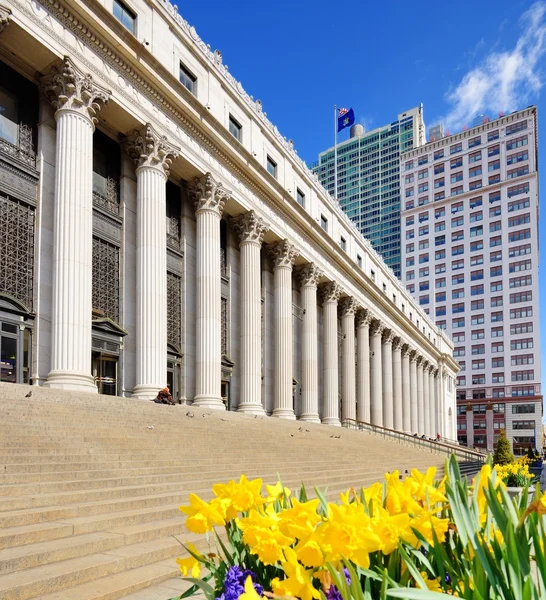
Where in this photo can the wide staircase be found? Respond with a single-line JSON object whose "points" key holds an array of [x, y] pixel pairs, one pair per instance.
{"points": [[90, 486]]}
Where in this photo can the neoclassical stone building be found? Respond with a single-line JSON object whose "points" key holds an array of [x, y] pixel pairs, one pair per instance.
{"points": [[157, 229]]}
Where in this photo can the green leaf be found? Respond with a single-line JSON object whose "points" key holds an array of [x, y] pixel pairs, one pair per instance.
{"points": [[416, 594], [205, 587]]}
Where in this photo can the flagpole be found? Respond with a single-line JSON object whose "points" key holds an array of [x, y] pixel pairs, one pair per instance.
{"points": [[335, 152]]}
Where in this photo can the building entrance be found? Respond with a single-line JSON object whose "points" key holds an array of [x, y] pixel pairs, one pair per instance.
{"points": [[9, 351], [105, 373]]}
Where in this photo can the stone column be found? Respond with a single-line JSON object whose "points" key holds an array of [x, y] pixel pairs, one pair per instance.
{"points": [[397, 399], [376, 381], [433, 412], [348, 403], [309, 276], [406, 389], [330, 293], [420, 396], [414, 422], [250, 229], [152, 155], [283, 255], [363, 320], [386, 361], [209, 198], [426, 399], [469, 426], [77, 100]]}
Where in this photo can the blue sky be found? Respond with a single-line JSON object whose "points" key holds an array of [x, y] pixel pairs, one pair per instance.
{"points": [[381, 58]]}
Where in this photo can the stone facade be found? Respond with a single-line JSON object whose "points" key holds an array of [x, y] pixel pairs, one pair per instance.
{"points": [[232, 287]]}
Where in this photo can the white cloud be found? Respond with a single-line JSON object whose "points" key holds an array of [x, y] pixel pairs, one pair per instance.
{"points": [[504, 81]]}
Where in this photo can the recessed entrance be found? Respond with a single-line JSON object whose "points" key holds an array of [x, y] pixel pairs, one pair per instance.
{"points": [[105, 373], [9, 350]]}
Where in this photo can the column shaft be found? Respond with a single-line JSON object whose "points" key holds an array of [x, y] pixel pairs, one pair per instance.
{"points": [[349, 372], [309, 355], [426, 402], [420, 399], [386, 360], [208, 354], [433, 412], [413, 396], [251, 329], [72, 255], [398, 420], [363, 382], [330, 414], [284, 404], [151, 266], [376, 387], [406, 393]]}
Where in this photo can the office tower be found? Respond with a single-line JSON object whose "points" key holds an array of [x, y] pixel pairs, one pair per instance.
{"points": [[368, 165], [470, 257]]}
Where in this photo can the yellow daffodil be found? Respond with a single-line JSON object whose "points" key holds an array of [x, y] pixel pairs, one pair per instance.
{"points": [[277, 492], [432, 584], [241, 496], [190, 566], [250, 592], [298, 582], [202, 516], [300, 520]]}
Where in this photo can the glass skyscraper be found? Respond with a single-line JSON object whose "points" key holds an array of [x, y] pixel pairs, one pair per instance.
{"points": [[368, 171]]}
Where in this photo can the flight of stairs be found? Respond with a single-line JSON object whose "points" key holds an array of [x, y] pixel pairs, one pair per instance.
{"points": [[90, 485]]}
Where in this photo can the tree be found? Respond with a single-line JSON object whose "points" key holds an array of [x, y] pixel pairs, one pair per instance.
{"points": [[503, 453]]}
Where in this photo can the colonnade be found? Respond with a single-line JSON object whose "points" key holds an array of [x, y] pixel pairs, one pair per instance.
{"points": [[380, 379]]}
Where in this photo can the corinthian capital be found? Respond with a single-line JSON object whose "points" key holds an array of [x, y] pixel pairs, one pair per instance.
{"points": [[5, 15], [309, 275], [250, 228], [330, 292], [208, 194], [149, 149], [397, 344], [377, 328], [388, 336], [363, 318], [282, 254], [348, 307], [406, 351], [69, 88]]}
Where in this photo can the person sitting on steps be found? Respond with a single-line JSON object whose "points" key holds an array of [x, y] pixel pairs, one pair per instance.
{"points": [[164, 397]]}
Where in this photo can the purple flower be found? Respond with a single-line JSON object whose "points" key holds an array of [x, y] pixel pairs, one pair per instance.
{"points": [[447, 578], [234, 583], [333, 593]]}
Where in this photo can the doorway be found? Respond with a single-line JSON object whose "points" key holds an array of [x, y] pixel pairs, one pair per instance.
{"points": [[9, 352], [105, 373]]}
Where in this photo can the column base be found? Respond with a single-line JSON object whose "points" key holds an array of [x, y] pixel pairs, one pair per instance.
{"points": [[212, 402], [310, 418], [284, 413], [251, 409], [145, 392], [68, 380], [334, 421]]}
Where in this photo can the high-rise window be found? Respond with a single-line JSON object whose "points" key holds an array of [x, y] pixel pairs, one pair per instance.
{"points": [[235, 128], [271, 166], [188, 79], [300, 197]]}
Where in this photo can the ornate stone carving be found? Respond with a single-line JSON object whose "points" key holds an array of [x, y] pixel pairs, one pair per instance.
{"points": [[363, 318], [69, 88], [377, 328], [330, 292], [406, 351], [348, 306], [282, 254], [149, 149], [397, 344], [420, 361], [444, 373], [388, 336], [309, 274], [5, 15], [207, 193], [250, 228]]}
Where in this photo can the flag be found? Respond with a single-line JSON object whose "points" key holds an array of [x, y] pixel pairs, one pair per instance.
{"points": [[345, 119]]}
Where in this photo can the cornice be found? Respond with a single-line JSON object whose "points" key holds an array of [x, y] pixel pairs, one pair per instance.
{"points": [[329, 249]]}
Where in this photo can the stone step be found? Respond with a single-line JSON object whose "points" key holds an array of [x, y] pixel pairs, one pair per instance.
{"points": [[67, 573]]}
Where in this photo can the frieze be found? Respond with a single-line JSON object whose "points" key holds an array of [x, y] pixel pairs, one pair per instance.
{"points": [[18, 183], [105, 228]]}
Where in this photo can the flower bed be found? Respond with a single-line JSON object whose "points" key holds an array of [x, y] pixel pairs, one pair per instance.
{"points": [[415, 538]]}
